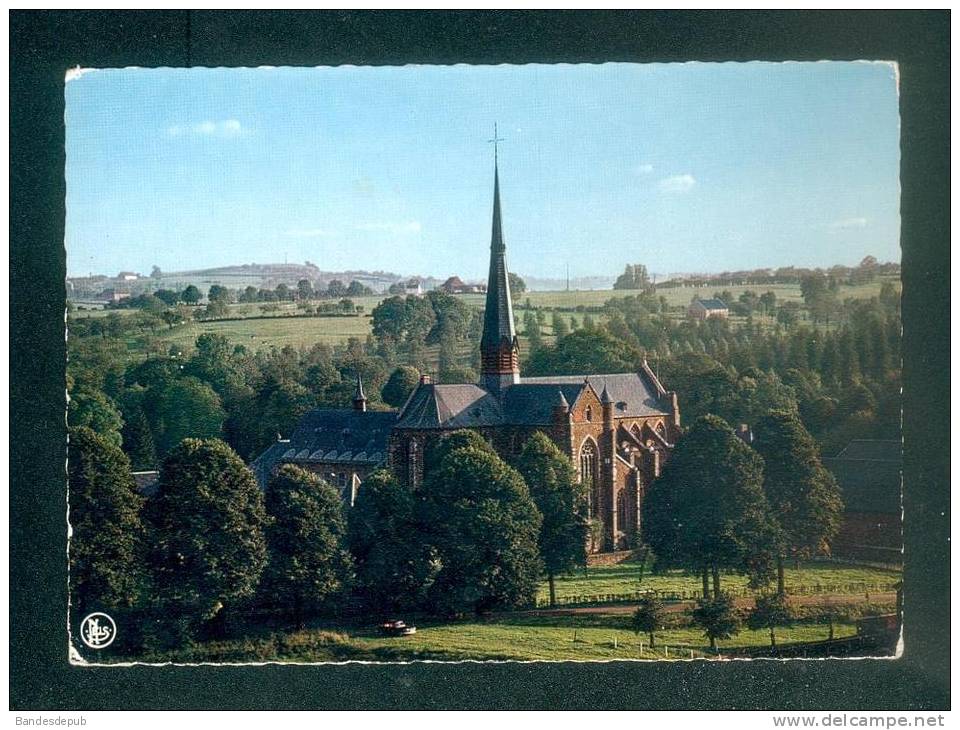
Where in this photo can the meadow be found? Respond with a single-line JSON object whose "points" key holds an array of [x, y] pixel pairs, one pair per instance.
{"points": [[624, 579], [508, 637]]}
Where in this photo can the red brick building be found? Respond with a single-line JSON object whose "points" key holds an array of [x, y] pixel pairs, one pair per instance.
{"points": [[617, 429], [869, 473]]}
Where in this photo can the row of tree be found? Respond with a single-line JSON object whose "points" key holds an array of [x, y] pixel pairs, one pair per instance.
{"points": [[208, 544]]}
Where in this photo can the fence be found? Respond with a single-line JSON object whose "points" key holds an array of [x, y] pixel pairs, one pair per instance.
{"points": [[692, 595]]}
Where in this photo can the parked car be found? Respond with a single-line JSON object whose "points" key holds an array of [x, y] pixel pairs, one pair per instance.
{"points": [[396, 627]]}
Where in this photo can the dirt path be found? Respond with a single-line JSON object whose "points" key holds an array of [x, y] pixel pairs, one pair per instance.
{"points": [[837, 599]]}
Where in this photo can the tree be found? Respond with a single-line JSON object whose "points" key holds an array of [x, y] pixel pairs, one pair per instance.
{"points": [[155, 272], [249, 295], [167, 296], [92, 408], [274, 408], [216, 310], [357, 289], [803, 496], [707, 511], [517, 285], [483, 527], [307, 564], [550, 477], [186, 407], [531, 328], [648, 617], [717, 618], [400, 385], [218, 293], [190, 295], [771, 610], [451, 441], [393, 566], [768, 301], [304, 290], [138, 443], [560, 326], [207, 520], [593, 351], [633, 277], [106, 543]]}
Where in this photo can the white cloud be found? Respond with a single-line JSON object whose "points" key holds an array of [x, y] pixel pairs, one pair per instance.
{"points": [[207, 128], [848, 223], [643, 169], [677, 183], [399, 227], [309, 232]]}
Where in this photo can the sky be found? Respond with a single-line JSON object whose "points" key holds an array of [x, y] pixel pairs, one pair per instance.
{"points": [[688, 167]]}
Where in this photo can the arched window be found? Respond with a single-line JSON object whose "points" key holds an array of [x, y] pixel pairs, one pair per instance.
{"points": [[590, 475], [588, 413], [660, 429], [623, 510]]}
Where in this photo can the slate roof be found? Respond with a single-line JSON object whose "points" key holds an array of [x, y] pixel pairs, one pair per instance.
{"points": [[869, 475], [713, 303], [328, 434], [498, 312], [633, 394], [450, 406], [529, 403]]}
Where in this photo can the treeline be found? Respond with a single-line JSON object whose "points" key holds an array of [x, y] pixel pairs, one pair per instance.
{"points": [[843, 382], [208, 554], [868, 270], [208, 548]]}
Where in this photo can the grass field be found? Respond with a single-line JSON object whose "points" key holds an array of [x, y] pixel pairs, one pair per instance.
{"points": [[520, 637], [560, 638], [622, 578], [275, 331]]}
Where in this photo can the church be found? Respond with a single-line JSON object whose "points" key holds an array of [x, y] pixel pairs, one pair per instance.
{"points": [[618, 430]]}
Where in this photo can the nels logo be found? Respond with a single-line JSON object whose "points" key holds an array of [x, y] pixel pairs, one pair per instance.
{"points": [[98, 631]]}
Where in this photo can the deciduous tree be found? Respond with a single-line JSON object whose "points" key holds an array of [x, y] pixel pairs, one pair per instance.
{"points": [[803, 496], [550, 477], [483, 527], [308, 566], [207, 547], [707, 511]]}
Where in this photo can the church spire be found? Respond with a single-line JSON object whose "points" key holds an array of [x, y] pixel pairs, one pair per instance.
{"points": [[499, 347], [359, 398]]}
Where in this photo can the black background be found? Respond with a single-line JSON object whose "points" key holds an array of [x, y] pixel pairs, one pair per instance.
{"points": [[44, 44]]}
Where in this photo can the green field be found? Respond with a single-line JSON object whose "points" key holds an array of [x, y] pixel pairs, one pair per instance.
{"points": [[274, 331], [518, 637], [557, 638], [623, 579]]}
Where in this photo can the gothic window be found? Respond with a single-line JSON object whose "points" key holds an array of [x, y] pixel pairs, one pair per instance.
{"points": [[622, 510], [588, 413], [590, 475], [660, 429]]}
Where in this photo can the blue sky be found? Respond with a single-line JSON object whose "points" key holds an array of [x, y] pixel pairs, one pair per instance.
{"points": [[682, 167]]}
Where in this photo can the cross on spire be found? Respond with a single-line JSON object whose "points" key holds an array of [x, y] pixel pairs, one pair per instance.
{"points": [[496, 138]]}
